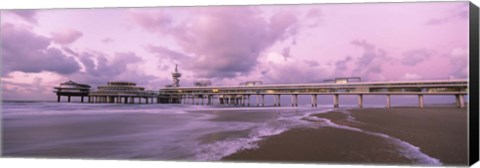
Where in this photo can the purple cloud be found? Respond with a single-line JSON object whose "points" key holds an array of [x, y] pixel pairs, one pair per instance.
{"points": [[341, 65], [107, 40], [164, 52], [18, 91], [459, 63], [26, 51], [371, 61], [283, 74], [99, 69], [97, 65], [414, 57], [315, 15], [311, 63], [27, 15], [66, 36], [153, 21], [224, 41], [460, 12], [286, 53], [69, 51]]}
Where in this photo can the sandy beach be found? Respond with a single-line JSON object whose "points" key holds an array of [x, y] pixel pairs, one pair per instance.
{"points": [[439, 132]]}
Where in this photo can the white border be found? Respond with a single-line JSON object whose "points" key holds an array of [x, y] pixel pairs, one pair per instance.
{"points": [[48, 4], [77, 163]]}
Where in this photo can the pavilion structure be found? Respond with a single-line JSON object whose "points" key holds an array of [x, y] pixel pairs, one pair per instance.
{"points": [[121, 92], [71, 88]]}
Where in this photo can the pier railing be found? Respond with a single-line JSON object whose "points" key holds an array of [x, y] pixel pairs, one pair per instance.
{"points": [[240, 95]]}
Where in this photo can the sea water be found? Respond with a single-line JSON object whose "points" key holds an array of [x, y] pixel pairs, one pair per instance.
{"points": [[155, 131], [140, 131]]}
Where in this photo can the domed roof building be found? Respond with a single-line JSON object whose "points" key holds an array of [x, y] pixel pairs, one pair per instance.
{"points": [[71, 88], [121, 91]]}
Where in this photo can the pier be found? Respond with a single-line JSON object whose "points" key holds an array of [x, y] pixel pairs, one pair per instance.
{"points": [[122, 92], [241, 95], [71, 89], [205, 94]]}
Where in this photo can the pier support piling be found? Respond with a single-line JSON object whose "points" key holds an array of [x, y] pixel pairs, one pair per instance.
{"points": [[263, 100], [293, 101], [420, 101], [388, 101], [274, 100], [258, 100], [278, 100], [314, 100], [243, 100], [360, 101], [335, 101], [460, 101]]}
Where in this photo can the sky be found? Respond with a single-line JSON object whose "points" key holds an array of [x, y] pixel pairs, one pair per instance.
{"points": [[231, 44]]}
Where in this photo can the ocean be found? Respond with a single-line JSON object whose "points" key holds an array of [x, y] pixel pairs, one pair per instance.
{"points": [[157, 131]]}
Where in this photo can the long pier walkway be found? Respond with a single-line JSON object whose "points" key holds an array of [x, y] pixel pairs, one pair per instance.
{"points": [[241, 95]]}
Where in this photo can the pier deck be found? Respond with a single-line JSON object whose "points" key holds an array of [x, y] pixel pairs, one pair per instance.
{"points": [[239, 95]]}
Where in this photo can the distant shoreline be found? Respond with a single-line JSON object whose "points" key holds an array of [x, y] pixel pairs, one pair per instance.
{"points": [[439, 132]]}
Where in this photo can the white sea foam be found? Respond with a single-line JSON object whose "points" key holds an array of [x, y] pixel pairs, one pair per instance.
{"points": [[408, 150], [198, 124], [283, 122], [86, 109], [219, 149]]}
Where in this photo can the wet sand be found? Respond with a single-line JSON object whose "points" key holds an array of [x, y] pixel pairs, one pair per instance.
{"points": [[440, 132]]}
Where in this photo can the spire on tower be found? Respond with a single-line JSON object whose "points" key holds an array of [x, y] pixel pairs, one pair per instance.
{"points": [[176, 77]]}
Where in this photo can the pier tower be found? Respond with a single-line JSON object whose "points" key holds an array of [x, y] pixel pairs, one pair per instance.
{"points": [[176, 77]]}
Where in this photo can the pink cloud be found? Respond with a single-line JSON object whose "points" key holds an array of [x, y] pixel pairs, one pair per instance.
{"points": [[315, 15], [459, 12], [152, 21], [107, 40], [230, 44], [27, 15], [225, 41], [65, 37], [26, 51]]}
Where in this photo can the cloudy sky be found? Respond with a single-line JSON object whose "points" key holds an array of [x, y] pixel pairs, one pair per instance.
{"points": [[231, 44]]}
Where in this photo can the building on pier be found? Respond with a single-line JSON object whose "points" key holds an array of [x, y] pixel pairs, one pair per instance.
{"points": [[202, 83], [251, 83], [167, 97], [343, 80], [176, 77], [121, 92], [71, 88], [242, 95]]}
